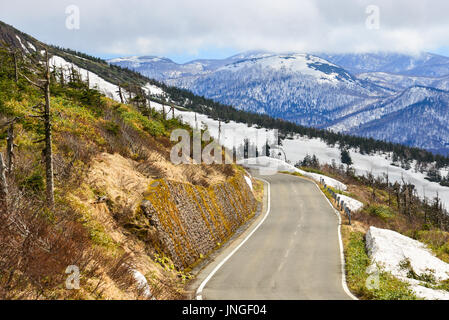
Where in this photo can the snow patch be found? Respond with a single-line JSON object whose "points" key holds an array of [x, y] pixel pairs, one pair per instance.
{"points": [[267, 165], [153, 90], [23, 46], [352, 204], [389, 249], [31, 46], [327, 180], [142, 283], [249, 182], [108, 89]]}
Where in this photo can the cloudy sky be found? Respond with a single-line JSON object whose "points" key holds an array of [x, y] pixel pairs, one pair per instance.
{"points": [[184, 30]]}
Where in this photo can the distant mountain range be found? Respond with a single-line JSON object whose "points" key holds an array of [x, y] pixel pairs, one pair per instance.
{"points": [[390, 96]]}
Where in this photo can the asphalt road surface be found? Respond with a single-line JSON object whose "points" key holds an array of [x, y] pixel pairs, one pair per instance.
{"points": [[293, 255]]}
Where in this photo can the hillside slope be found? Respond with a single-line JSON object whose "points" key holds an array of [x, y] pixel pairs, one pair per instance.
{"points": [[106, 157]]}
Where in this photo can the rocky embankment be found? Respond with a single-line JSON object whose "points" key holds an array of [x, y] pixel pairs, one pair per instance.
{"points": [[191, 221]]}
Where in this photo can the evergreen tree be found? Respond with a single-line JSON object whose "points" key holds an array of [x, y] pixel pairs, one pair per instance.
{"points": [[346, 157]]}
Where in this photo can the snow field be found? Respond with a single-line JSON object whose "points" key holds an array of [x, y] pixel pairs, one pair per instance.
{"points": [[389, 249]]}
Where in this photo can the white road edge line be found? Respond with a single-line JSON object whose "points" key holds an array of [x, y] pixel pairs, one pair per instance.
{"points": [[203, 284], [340, 241]]}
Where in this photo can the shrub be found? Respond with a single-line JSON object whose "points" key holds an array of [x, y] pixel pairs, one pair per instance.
{"points": [[382, 211], [155, 128], [34, 182], [112, 128]]}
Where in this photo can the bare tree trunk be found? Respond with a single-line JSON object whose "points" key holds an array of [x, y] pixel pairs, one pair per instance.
{"points": [[3, 186], [10, 148], [219, 131], [62, 77], [48, 141], [120, 93]]}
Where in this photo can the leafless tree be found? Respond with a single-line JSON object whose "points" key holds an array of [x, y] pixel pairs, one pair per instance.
{"points": [[3, 186], [43, 83]]}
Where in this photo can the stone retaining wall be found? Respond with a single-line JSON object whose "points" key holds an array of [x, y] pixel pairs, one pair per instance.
{"points": [[191, 221]]}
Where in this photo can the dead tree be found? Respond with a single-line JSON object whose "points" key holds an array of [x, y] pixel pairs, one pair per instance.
{"points": [[49, 174], [45, 114], [387, 180], [61, 76], [219, 131], [120, 93], [163, 111], [129, 94], [15, 60], [3, 186], [10, 144], [172, 109], [10, 147], [397, 191], [196, 122]]}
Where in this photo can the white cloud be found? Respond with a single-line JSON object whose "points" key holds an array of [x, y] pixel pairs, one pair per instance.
{"points": [[127, 27]]}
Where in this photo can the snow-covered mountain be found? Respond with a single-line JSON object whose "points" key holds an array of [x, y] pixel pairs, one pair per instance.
{"points": [[401, 82], [392, 104], [341, 92], [161, 69], [297, 87], [423, 124], [422, 64]]}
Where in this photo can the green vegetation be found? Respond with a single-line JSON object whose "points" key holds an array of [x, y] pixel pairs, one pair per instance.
{"points": [[437, 241], [382, 211], [297, 174], [357, 263], [428, 277]]}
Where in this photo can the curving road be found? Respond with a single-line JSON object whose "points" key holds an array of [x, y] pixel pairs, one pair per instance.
{"points": [[294, 254]]}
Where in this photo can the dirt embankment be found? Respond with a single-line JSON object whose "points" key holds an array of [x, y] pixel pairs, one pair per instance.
{"points": [[165, 225]]}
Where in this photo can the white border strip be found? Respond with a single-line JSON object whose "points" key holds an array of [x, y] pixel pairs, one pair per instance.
{"points": [[203, 284], [342, 255]]}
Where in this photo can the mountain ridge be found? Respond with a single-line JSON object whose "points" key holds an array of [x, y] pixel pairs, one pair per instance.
{"points": [[324, 92]]}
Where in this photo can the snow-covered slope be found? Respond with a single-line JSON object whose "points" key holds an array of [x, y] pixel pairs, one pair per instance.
{"points": [[411, 124], [422, 64], [401, 82], [401, 109], [108, 89], [377, 164], [392, 252]]}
